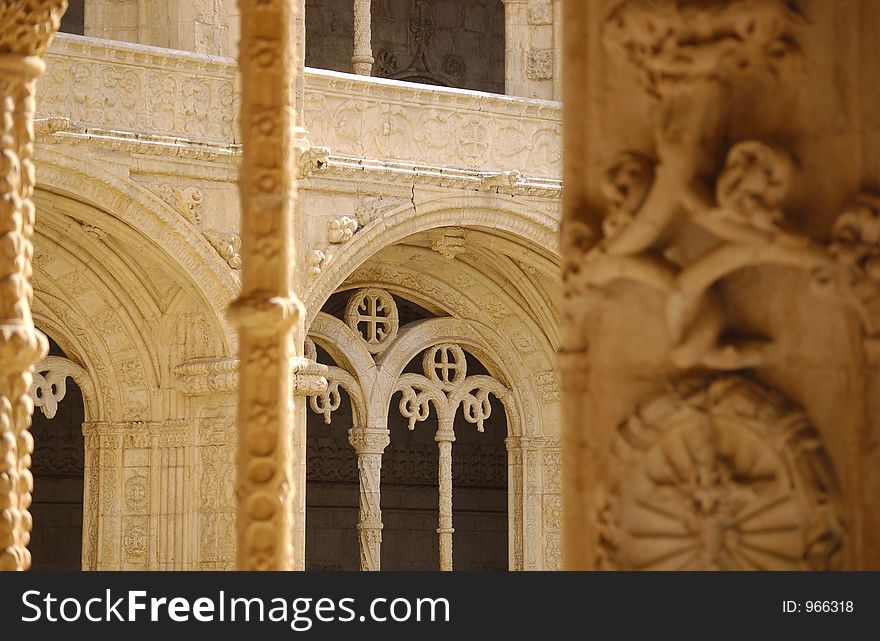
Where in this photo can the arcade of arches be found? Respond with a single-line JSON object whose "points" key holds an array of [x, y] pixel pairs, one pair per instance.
{"points": [[366, 332]]}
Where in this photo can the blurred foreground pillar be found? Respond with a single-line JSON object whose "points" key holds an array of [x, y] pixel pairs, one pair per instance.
{"points": [[25, 32]]}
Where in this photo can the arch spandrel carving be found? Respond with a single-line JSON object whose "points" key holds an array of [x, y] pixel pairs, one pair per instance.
{"points": [[136, 216], [720, 474], [533, 227]]}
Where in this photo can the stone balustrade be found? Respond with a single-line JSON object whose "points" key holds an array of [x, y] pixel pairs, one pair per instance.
{"points": [[105, 87]]}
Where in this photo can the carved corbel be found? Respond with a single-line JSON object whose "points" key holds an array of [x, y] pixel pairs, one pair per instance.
{"points": [[313, 160]]}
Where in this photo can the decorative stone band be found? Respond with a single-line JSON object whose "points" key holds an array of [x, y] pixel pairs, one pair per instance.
{"points": [[204, 376], [192, 98]]}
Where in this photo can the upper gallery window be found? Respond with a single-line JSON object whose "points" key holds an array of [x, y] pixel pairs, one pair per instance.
{"points": [[452, 43]]}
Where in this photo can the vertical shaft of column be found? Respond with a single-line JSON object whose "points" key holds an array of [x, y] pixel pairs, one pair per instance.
{"points": [[266, 310], [370, 444], [362, 58], [445, 437], [25, 32]]}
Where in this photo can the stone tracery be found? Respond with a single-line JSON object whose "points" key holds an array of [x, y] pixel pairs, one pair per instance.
{"points": [[445, 368]]}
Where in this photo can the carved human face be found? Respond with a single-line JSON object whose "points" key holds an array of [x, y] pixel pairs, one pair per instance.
{"points": [[755, 177], [627, 181]]}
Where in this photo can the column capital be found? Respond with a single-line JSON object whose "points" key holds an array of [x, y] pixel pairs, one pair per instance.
{"points": [[445, 436], [367, 440]]}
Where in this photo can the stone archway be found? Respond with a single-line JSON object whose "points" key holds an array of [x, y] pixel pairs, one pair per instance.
{"points": [[127, 313]]}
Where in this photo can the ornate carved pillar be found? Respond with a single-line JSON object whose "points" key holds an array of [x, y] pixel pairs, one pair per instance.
{"points": [[445, 437], [362, 59], [369, 444], [266, 311], [515, 502], [720, 287], [25, 32]]}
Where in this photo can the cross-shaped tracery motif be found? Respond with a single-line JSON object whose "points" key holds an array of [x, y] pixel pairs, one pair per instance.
{"points": [[445, 365], [373, 314]]}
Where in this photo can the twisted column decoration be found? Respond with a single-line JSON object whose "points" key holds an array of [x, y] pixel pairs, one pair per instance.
{"points": [[266, 311], [26, 29], [445, 437], [370, 444], [362, 59]]}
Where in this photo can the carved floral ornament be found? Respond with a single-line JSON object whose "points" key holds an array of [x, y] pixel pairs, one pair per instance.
{"points": [[720, 475], [695, 47], [674, 42], [49, 386], [747, 218]]}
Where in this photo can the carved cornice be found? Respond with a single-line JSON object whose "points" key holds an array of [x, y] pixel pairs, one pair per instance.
{"points": [[309, 377], [201, 377]]}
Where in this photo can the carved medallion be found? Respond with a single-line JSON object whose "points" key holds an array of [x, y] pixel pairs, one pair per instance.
{"points": [[373, 314], [720, 475]]}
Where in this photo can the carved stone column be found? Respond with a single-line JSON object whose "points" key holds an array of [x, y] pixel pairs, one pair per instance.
{"points": [[25, 32], [362, 60], [445, 437], [369, 444], [266, 312], [721, 287]]}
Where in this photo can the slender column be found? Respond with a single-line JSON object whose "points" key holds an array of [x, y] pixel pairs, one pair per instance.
{"points": [[266, 310], [369, 444], [25, 32], [362, 60], [445, 437]]}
